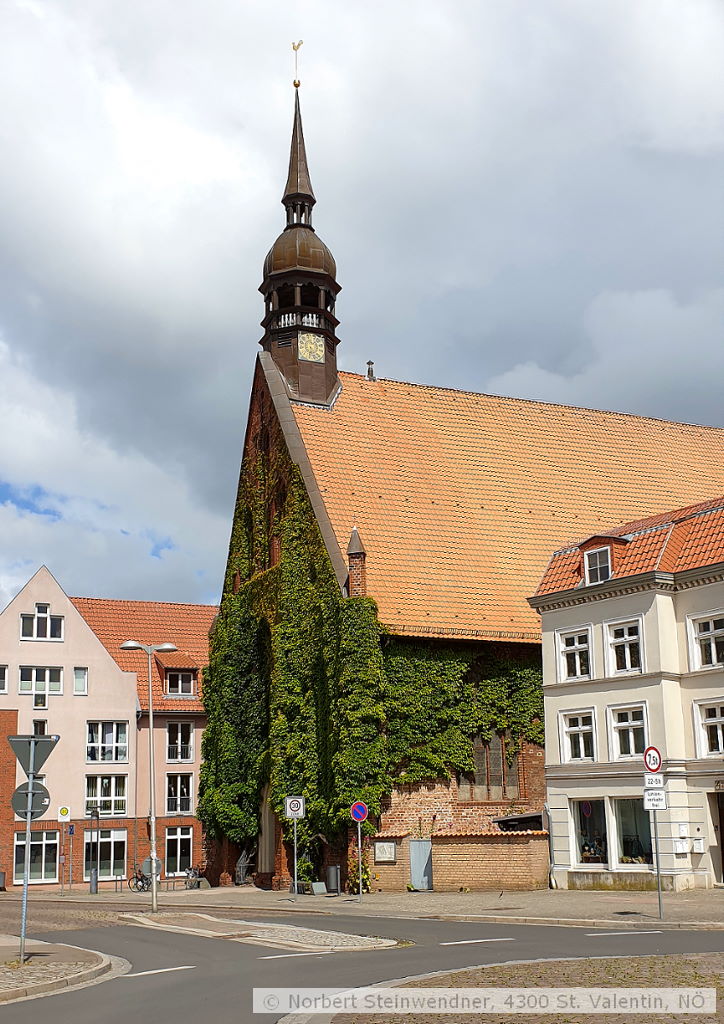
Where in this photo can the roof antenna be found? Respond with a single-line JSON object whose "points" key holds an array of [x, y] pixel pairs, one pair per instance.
{"points": [[370, 370]]}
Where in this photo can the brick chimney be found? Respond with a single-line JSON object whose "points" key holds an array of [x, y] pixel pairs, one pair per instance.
{"points": [[356, 560]]}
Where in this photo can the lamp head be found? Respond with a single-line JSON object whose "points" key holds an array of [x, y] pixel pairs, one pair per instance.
{"points": [[165, 648], [131, 645]]}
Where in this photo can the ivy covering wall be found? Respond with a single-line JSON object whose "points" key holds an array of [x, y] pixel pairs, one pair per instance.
{"points": [[306, 691]]}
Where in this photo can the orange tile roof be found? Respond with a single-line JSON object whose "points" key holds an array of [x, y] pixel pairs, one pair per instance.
{"points": [[671, 542], [460, 497], [153, 622]]}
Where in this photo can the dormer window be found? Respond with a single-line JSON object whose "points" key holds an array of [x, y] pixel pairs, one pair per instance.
{"points": [[41, 625], [598, 565], [180, 684]]}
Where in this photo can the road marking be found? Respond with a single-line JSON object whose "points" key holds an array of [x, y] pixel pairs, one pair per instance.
{"points": [[161, 970], [471, 942], [656, 931], [285, 956]]}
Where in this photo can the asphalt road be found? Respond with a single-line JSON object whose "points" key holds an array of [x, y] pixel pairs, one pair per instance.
{"points": [[221, 974]]}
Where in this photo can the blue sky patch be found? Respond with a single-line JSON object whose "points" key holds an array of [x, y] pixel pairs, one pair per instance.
{"points": [[30, 499]]}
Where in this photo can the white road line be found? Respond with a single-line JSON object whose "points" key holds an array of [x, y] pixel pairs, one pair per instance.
{"points": [[286, 956], [656, 931], [471, 942], [161, 970]]}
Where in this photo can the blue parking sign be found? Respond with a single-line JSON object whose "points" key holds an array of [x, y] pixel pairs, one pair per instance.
{"points": [[71, 830]]}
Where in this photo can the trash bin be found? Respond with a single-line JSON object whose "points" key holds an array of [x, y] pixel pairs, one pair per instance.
{"points": [[2, 881], [94, 881], [333, 874]]}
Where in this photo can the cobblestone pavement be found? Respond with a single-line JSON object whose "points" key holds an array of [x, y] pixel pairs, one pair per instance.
{"points": [[267, 933], [704, 970], [37, 972]]}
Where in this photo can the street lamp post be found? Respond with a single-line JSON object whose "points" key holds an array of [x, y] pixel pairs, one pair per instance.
{"points": [[151, 649]]}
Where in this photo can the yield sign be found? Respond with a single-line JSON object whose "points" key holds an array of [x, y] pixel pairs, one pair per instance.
{"points": [[43, 748]]}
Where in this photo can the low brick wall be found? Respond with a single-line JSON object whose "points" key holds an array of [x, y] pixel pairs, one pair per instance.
{"points": [[391, 876], [502, 861]]}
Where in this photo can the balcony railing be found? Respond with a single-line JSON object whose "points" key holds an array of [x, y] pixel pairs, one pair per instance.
{"points": [[179, 752], [299, 319]]}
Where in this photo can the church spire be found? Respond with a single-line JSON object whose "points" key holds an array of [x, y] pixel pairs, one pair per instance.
{"points": [[298, 196], [300, 289]]}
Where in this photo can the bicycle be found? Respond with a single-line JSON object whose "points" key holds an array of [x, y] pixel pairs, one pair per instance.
{"points": [[193, 879], [138, 882]]}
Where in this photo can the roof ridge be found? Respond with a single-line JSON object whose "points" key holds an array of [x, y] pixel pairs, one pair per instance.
{"points": [[530, 401], [124, 600]]}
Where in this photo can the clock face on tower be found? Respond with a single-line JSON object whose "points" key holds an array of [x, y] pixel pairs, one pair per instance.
{"points": [[311, 347]]}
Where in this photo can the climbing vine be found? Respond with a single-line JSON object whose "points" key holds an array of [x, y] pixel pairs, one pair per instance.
{"points": [[307, 693]]}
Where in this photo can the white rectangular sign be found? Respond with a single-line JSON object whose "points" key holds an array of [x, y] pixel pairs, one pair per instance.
{"points": [[64, 813], [653, 781], [294, 806], [654, 800]]}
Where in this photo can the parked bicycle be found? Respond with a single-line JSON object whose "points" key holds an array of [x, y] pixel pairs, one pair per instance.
{"points": [[193, 878], [138, 882]]}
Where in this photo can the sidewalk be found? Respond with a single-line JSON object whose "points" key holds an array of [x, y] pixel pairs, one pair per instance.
{"points": [[698, 908], [51, 966]]}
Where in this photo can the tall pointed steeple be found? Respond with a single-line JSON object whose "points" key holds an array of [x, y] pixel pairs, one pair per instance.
{"points": [[300, 289], [298, 191]]}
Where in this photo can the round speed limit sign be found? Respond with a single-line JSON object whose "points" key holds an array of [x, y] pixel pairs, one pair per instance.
{"points": [[294, 807], [652, 759]]}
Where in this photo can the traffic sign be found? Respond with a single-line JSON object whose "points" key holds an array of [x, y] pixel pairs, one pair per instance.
{"points": [[359, 811], [71, 830], [39, 801], [653, 781], [655, 800], [64, 813], [652, 759], [294, 807], [43, 748]]}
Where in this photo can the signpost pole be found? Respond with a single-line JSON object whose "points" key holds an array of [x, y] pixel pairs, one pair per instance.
{"points": [[26, 863], [70, 875], [359, 859], [62, 860], [658, 864], [295, 860]]}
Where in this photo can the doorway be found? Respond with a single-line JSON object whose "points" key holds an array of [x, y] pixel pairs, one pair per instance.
{"points": [[421, 864]]}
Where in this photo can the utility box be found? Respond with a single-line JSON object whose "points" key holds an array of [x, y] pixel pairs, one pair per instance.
{"points": [[333, 880]]}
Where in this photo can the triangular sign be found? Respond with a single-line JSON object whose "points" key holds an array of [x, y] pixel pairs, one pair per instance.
{"points": [[43, 747]]}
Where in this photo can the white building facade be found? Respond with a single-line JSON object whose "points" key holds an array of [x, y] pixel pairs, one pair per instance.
{"points": [[633, 656]]}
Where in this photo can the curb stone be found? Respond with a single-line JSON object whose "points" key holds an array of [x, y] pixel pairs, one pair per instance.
{"points": [[59, 984]]}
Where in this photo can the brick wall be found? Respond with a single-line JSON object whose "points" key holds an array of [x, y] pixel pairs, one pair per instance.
{"points": [[8, 761], [428, 807], [490, 862], [391, 877]]}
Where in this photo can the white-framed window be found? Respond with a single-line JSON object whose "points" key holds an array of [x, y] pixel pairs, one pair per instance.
{"points": [[179, 842], [107, 741], [598, 565], [624, 643], [711, 723], [179, 741], [574, 650], [40, 682], [633, 832], [80, 682], [40, 727], [109, 856], [180, 684], [590, 832], [708, 641], [578, 736], [3, 679], [178, 794], [628, 729], [41, 625], [106, 794], [43, 857]]}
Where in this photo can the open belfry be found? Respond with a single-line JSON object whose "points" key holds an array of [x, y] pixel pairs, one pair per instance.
{"points": [[374, 640]]}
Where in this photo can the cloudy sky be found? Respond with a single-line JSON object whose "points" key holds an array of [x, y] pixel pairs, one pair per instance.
{"points": [[523, 197]]}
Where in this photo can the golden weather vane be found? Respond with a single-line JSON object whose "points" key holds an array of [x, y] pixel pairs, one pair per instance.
{"points": [[295, 47]]}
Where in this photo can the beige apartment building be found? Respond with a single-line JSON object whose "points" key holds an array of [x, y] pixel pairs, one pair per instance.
{"points": [[62, 672], [633, 655]]}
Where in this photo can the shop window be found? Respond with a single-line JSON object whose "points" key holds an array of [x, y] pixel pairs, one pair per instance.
{"points": [[634, 832], [43, 857], [589, 819], [109, 856], [178, 849]]}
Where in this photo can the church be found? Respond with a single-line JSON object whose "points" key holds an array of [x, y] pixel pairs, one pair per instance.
{"points": [[374, 640]]}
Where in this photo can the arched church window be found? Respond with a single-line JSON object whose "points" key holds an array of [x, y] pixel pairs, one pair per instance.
{"points": [[495, 773]]}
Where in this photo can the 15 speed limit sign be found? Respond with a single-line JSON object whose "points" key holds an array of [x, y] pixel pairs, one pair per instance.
{"points": [[652, 759]]}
